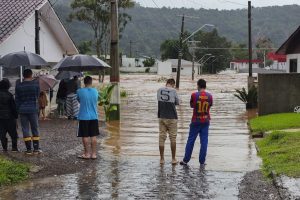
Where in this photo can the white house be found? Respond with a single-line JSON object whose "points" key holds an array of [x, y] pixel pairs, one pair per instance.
{"points": [[291, 48], [186, 67], [241, 65], [34, 26], [135, 65]]}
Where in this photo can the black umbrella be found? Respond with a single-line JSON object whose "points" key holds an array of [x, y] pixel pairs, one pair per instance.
{"points": [[80, 63], [67, 75], [22, 58]]}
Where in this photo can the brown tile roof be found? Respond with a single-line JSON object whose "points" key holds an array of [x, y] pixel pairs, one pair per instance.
{"points": [[13, 13]]}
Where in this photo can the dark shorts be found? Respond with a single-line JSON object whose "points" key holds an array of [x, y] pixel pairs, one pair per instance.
{"points": [[88, 128]]}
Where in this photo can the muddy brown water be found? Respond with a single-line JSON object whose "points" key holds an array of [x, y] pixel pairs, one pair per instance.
{"points": [[128, 165]]}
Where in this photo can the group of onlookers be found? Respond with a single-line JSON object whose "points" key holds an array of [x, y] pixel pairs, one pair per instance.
{"points": [[29, 102]]}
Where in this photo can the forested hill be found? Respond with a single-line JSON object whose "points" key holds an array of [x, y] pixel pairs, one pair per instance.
{"points": [[150, 26]]}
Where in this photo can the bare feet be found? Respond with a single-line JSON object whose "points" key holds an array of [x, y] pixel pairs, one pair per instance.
{"points": [[94, 157], [174, 162], [84, 156], [162, 161]]}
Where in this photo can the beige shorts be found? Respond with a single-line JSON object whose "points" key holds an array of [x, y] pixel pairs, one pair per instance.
{"points": [[167, 126]]}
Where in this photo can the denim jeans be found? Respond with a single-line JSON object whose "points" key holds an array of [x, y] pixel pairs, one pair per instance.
{"points": [[195, 129], [32, 120]]}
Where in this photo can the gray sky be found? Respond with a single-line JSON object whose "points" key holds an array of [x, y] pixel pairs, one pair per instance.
{"points": [[214, 4]]}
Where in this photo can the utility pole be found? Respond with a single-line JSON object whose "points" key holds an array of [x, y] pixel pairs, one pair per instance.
{"points": [[130, 52], [193, 58], [180, 53], [250, 78], [114, 60]]}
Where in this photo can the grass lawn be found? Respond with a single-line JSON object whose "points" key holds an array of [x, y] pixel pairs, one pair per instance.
{"points": [[280, 151], [12, 172], [275, 122]]}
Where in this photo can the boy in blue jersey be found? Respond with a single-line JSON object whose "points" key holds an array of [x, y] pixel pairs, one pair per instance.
{"points": [[88, 118]]}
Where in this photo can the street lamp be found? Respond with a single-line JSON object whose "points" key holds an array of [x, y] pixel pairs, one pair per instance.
{"points": [[210, 25], [204, 63], [200, 60], [180, 48]]}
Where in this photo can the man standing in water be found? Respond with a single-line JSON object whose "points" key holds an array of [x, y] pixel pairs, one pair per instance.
{"points": [[88, 118], [167, 114], [201, 101]]}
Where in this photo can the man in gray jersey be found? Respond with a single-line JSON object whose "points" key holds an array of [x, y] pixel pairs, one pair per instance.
{"points": [[167, 100]]}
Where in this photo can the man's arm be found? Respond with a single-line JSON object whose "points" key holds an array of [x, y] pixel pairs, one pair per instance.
{"points": [[192, 101], [176, 99], [211, 101], [13, 107], [17, 97]]}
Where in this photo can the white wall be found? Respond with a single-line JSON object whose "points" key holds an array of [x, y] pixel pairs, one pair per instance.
{"points": [[186, 70], [164, 68], [292, 56], [279, 66], [24, 36], [130, 62], [237, 65]]}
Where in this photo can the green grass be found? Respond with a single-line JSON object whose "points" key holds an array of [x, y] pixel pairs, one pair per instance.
{"points": [[275, 122], [280, 151], [12, 172]]}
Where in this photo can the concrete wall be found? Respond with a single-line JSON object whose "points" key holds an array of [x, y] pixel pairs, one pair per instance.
{"points": [[278, 93], [186, 70]]}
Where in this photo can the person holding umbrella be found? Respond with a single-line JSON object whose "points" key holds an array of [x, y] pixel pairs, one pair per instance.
{"points": [[27, 95]]}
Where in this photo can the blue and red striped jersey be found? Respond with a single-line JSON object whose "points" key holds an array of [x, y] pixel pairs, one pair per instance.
{"points": [[201, 102]]}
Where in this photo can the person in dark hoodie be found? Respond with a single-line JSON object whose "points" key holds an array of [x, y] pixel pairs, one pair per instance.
{"points": [[8, 116]]}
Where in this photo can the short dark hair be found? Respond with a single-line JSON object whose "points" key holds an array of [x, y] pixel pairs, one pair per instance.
{"points": [[171, 81], [27, 73], [201, 84], [5, 84], [87, 80]]}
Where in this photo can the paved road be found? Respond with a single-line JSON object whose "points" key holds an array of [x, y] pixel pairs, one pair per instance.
{"points": [[128, 166]]}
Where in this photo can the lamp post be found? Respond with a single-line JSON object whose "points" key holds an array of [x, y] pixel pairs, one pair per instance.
{"points": [[200, 60], [204, 63], [180, 54]]}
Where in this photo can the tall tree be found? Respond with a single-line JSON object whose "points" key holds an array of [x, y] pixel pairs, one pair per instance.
{"points": [[96, 13], [217, 46], [239, 51], [264, 45]]}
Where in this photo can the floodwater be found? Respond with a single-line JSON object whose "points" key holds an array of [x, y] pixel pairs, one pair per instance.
{"points": [[128, 165]]}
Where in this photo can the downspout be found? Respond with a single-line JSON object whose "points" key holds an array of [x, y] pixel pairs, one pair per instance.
{"points": [[37, 33]]}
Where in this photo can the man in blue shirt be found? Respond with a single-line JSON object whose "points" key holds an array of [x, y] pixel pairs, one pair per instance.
{"points": [[88, 118]]}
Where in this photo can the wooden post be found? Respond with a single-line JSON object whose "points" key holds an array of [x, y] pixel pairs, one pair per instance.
{"points": [[114, 60], [180, 54]]}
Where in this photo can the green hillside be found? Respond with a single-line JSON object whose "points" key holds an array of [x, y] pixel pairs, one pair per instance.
{"points": [[150, 26]]}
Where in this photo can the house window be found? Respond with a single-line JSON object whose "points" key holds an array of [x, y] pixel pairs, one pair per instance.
{"points": [[293, 65], [174, 70]]}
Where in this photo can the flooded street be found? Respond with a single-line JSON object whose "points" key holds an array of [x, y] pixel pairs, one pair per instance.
{"points": [[128, 164]]}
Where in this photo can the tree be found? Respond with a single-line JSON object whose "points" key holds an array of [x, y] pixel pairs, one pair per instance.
{"points": [[85, 47], [266, 46], [149, 62], [169, 49], [239, 51], [96, 13], [217, 46]]}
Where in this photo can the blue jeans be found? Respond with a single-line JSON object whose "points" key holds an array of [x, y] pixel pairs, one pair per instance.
{"points": [[195, 129], [31, 119]]}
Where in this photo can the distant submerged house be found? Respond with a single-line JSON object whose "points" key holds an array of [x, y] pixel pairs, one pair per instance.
{"points": [[291, 48], [34, 26]]}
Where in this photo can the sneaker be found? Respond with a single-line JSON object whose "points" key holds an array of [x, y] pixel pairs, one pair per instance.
{"points": [[28, 152], [15, 150], [183, 163], [37, 151]]}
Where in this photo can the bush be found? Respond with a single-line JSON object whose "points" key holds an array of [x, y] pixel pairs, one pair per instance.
{"points": [[147, 70], [123, 93], [249, 98], [149, 62]]}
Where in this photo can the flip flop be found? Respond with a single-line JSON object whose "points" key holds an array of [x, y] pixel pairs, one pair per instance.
{"points": [[83, 157]]}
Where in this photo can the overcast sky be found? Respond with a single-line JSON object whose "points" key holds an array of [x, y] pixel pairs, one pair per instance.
{"points": [[214, 4]]}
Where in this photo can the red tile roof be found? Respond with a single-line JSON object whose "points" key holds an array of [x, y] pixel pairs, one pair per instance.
{"points": [[13, 13]]}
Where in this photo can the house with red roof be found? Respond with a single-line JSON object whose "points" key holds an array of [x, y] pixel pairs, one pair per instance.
{"points": [[291, 48], [34, 26]]}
